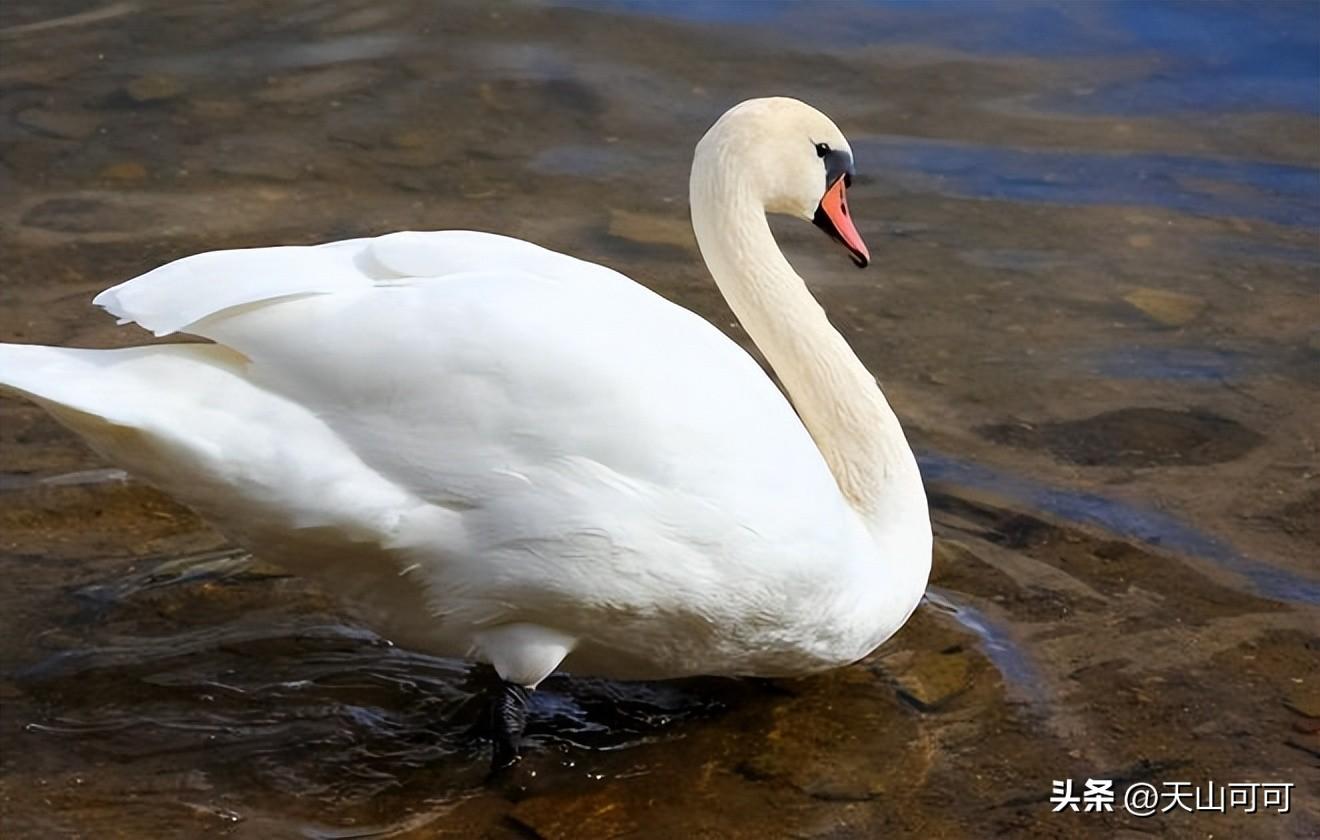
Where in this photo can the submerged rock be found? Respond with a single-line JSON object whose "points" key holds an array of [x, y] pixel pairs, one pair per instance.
{"points": [[840, 740], [154, 88], [651, 229], [1134, 437], [1303, 697], [932, 679], [125, 171], [301, 88], [1171, 309]]}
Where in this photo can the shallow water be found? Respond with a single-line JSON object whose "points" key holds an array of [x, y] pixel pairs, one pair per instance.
{"points": [[1093, 303]]}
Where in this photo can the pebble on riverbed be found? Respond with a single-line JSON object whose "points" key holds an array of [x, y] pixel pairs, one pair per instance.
{"points": [[652, 229], [1304, 698], [126, 171], [1170, 309], [1134, 437], [153, 89], [930, 679]]}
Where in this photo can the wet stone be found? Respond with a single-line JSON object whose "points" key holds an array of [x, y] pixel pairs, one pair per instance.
{"points": [[1301, 517], [332, 81], [1134, 437], [597, 815], [1171, 309], [651, 229], [125, 171], [408, 139], [843, 739], [931, 679], [1304, 698], [218, 109]]}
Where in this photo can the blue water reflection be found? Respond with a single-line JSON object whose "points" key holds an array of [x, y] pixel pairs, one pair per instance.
{"points": [[1274, 192], [1176, 364], [1206, 56], [1123, 519]]}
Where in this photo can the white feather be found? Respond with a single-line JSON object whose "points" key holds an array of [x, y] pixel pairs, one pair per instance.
{"points": [[509, 453]]}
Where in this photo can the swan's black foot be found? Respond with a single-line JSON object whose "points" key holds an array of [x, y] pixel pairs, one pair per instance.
{"points": [[508, 719]]}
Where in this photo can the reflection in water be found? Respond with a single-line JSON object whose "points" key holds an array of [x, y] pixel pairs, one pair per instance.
{"points": [[1124, 519], [314, 706], [585, 161], [1186, 364], [222, 565], [1199, 186], [1008, 656], [1230, 56], [21, 481]]}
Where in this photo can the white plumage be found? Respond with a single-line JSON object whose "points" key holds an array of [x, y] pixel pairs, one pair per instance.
{"points": [[506, 453]]}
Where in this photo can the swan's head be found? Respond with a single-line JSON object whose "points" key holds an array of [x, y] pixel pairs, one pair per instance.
{"points": [[795, 161]]}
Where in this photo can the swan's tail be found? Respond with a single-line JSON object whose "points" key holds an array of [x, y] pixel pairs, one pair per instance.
{"points": [[116, 400], [104, 384], [187, 419]]}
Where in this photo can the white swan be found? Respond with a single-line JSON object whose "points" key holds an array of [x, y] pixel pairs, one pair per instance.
{"points": [[508, 454]]}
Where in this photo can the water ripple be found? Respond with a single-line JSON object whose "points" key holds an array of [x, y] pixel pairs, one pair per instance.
{"points": [[1123, 519]]}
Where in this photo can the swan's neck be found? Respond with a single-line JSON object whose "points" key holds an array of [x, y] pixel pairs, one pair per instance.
{"points": [[837, 398]]}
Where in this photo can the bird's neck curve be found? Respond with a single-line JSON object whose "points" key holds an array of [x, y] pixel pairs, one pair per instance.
{"points": [[839, 402]]}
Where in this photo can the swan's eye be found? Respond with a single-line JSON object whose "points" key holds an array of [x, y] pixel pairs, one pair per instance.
{"points": [[822, 149]]}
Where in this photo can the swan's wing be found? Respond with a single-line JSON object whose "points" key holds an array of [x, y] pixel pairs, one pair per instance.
{"points": [[178, 294], [446, 382], [454, 359], [175, 296], [599, 443], [572, 449]]}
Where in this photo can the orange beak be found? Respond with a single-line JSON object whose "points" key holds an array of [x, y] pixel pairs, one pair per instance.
{"points": [[832, 217]]}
